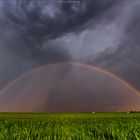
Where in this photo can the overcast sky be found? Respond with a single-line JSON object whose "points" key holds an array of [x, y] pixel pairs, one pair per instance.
{"points": [[101, 32]]}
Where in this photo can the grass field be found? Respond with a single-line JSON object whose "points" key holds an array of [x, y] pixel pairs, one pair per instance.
{"points": [[82, 126]]}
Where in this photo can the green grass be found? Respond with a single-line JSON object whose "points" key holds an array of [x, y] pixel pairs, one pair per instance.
{"points": [[82, 126]]}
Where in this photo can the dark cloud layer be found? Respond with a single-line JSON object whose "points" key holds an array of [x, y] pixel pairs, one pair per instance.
{"points": [[26, 27], [126, 59], [33, 23], [47, 31], [101, 32]]}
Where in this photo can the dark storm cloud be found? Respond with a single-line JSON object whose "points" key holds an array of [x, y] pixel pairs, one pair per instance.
{"points": [[30, 32], [33, 23], [125, 60], [27, 26]]}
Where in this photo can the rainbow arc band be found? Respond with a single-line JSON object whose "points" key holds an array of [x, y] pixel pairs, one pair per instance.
{"points": [[75, 63]]}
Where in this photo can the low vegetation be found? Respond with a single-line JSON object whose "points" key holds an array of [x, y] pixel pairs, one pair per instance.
{"points": [[82, 126]]}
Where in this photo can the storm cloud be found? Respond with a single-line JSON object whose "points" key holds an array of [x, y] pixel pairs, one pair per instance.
{"points": [[32, 23], [101, 32], [125, 60]]}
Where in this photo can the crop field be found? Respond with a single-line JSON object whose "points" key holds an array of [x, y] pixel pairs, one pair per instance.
{"points": [[59, 126]]}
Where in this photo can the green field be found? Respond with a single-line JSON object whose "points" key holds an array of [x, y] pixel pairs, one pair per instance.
{"points": [[59, 126]]}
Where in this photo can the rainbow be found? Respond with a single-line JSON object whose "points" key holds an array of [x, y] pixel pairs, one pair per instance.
{"points": [[75, 63]]}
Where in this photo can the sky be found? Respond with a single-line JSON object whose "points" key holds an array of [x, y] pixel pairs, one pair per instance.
{"points": [[100, 32], [69, 87]]}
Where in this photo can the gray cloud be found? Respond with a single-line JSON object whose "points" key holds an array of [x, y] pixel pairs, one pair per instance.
{"points": [[31, 25], [41, 32], [28, 27], [101, 32], [125, 60]]}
